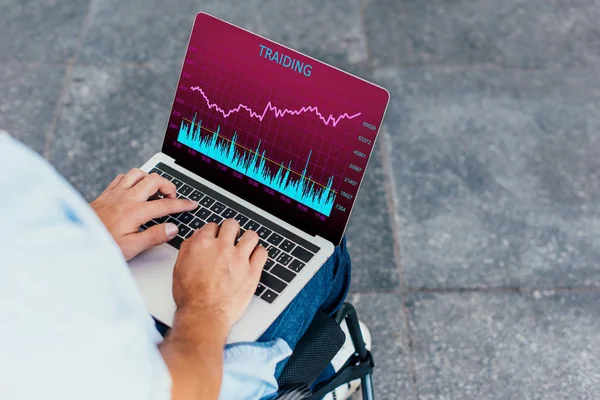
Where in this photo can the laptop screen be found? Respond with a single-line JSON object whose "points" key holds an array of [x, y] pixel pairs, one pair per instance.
{"points": [[283, 131]]}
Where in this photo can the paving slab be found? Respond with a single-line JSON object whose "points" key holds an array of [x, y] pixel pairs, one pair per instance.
{"points": [[328, 30], [514, 33], [29, 98], [114, 119], [369, 233], [136, 31], [540, 345], [40, 30], [497, 175], [383, 314]]}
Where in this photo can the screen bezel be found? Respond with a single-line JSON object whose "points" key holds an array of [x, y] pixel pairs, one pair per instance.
{"points": [[322, 229]]}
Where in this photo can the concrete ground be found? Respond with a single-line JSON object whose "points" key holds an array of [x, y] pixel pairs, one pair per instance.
{"points": [[475, 240]]}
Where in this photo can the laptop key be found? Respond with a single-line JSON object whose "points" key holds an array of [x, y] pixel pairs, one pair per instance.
{"points": [[263, 232], [218, 207], [284, 259], [269, 296], [283, 273], [215, 218], [197, 223], [173, 221], [296, 265], [186, 190], [252, 226], [262, 243], [242, 219], [271, 282], [155, 171], [302, 254], [275, 239], [150, 223], [177, 183], [259, 289], [184, 230], [196, 196], [176, 242], [161, 220], [287, 245], [190, 233], [228, 213], [206, 201], [273, 251], [186, 217], [203, 213], [269, 264]]}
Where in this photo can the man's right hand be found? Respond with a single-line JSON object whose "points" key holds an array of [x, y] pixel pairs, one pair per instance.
{"points": [[215, 277], [213, 282]]}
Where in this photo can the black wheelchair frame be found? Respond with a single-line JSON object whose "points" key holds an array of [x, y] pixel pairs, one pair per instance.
{"points": [[316, 349]]}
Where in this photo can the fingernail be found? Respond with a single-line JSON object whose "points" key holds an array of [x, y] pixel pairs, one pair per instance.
{"points": [[171, 230], [195, 203]]}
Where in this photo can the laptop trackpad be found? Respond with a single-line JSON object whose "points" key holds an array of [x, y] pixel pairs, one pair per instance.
{"points": [[153, 273]]}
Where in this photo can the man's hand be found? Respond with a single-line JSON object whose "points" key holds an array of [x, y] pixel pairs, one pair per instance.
{"points": [[216, 277], [213, 282], [124, 206]]}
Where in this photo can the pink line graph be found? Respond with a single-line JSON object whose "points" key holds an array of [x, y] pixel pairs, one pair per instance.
{"points": [[276, 111]]}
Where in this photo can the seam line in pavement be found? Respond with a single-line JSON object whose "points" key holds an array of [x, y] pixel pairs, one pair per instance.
{"points": [[519, 290], [362, 6], [121, 64], [51, 132], [390, 188]]}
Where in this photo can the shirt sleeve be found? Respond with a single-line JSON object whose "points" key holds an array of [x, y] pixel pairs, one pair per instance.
{"points": [[73, 325], [249, 369]]}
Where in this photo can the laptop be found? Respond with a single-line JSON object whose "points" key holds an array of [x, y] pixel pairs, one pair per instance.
{"points": [[268, 136]]}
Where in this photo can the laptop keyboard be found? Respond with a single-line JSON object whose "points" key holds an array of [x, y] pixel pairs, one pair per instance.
{"points": [[288, 253]]}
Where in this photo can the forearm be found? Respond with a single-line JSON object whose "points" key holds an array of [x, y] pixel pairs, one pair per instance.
{"points": [[193, 352]]}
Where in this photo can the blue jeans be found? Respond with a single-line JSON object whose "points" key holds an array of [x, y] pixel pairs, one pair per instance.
{"points": [[326, 291]]}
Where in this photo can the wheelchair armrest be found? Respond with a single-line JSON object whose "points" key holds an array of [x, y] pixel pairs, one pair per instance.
{"points": [[315, 350]]}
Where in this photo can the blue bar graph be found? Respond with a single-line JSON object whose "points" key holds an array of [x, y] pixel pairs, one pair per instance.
{"points": [[254, 165]]}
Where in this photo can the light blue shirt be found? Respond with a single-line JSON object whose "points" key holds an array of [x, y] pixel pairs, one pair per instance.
{"points": [[72, 323]]}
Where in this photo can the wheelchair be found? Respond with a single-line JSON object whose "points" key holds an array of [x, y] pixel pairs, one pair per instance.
{"points": [[315, 350]]}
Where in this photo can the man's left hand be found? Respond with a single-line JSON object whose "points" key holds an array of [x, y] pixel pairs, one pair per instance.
{"points": [[124, 206]]}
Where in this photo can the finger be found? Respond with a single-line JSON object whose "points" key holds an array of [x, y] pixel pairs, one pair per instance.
{"points": [[134, 243], [258, 259], [163, 207], [247, 243], [229, 231], [154, 183], [115, 181], [210, 230], [192, 238], [132, 177]]}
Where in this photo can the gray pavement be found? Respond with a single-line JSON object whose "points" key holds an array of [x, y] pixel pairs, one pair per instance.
{"points": [[475, 240]]}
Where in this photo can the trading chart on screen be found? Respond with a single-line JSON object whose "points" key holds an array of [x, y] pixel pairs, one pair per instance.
{"points": [[282, 128]]}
